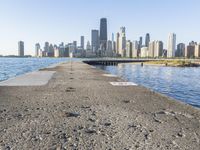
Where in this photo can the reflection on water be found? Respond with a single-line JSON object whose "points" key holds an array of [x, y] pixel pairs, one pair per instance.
{"points": [[180, 83]]}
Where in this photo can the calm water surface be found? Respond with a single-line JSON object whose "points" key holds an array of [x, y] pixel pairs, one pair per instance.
{"points": [[11, 67], [179, 83]]}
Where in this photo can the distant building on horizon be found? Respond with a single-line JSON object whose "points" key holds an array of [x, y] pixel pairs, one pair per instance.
{"points": [[180, 51], [158, 52], [95, 41], [37, 50], [129, 49], [147, 40], [122, 42], [171, 45], [197, 51], [144, 52], [21, 48], [140, 42], [190, 50], [109, 49], [135, 49], [103, 34], [83, 42]]}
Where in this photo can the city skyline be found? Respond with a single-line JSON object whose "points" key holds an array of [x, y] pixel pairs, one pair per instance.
{"points": [[37, 22]]}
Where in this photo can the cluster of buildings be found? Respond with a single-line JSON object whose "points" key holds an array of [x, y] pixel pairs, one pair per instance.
{"points": [[118, 46]]}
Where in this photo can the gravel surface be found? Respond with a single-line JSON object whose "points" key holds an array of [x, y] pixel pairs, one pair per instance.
{"points": [[80, 109]]}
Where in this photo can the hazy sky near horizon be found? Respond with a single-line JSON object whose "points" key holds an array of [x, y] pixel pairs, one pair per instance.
{"points": [[59, 21]]}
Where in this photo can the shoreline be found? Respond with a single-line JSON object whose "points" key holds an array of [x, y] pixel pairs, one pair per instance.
{"points": [[32, 71]]}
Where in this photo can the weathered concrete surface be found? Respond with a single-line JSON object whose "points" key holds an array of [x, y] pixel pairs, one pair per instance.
{"points": [[30, 79], [80, 109]]}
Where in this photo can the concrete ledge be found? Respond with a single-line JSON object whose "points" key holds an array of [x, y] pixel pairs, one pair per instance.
{"points": [[36, 78]]}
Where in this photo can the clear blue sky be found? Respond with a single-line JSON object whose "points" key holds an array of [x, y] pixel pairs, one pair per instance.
{"points": [[66, 20]]}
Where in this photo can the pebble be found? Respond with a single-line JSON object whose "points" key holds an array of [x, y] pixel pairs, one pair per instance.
{"points": [[126, 101], [107, 124], [72, 114], [90, 131]]}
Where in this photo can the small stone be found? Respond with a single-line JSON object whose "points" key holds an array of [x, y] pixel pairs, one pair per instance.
{"points": [[126, 101], [72, 114], [180, 134], [92, 119], [91, 131], [107, 124]]}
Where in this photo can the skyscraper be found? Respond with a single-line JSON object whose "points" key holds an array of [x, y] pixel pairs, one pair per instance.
{"points": [[95, 40], [190, 50], [109, 49], [171, 45], [147, 39], [158, 52], [75, 45], [103, 33], [151, 49], [122, 42], [180, 52], [46, 48], [82, 42], [37, 49], [135, 49], [129, 49], [21, 48], [197, 51], [117, 43], [140, 43]]}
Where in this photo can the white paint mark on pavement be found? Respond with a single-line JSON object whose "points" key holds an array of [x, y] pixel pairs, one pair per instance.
{"points": [[109, 75], [123, 84]]}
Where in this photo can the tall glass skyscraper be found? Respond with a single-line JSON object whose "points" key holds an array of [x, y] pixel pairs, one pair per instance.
{"points": [[82, 42], [171, 45], [95, 40], [147, 40], [103, 33]]}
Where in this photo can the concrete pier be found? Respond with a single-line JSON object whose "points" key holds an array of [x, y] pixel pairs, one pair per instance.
{"points": [[82, 107]]}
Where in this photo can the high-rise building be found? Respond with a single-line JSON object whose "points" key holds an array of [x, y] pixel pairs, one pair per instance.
{"points": [[37, 49], [151, 49], [75, 45], [144, 52], [190, 50], [88, 46], [21, 48], [171, 45], [147, 40], [117, 43], [82, 42], [129, 49], [158, 52], [140, 42], [95, 40], [180, 52], [109, 50], [56, 51], [122, 42], [197, 51], [103, 34], [135, 49], [113, 44]]}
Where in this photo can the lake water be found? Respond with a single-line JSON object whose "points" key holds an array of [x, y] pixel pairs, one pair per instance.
{"points": [[12, 67], [180, 83]]}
